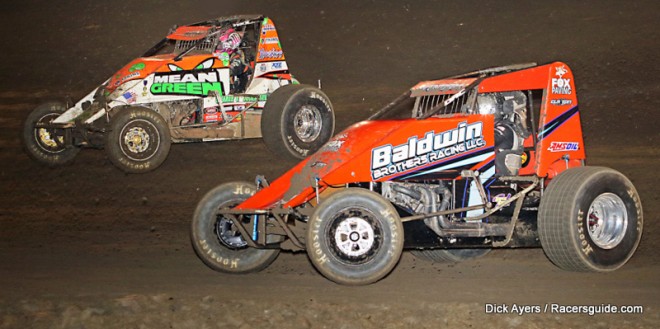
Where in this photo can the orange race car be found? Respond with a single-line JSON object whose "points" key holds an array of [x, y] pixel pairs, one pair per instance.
{"points": [[220, 79], [492, 158]]}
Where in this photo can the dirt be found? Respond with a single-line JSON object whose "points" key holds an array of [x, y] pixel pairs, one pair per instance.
{"points": [[87, 246]]}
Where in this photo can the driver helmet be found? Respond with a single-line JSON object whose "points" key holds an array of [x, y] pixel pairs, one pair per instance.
{"points": [[229, 41]]}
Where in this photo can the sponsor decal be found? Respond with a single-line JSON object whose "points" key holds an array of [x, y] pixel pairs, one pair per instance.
{"points": [[270, 54], [276, 66], [212, 117], [198, 82], [560, 85], [563, 146], [267, 27], [561, 101], [243, 99], [263, 67], [194, 34], [270, 41], [130, 76], [524, 158], [136, 67], [389, 160], [444, 87]]}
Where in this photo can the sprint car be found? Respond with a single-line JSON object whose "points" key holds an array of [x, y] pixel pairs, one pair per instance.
{"points": [[489, 159], [184, 89]]}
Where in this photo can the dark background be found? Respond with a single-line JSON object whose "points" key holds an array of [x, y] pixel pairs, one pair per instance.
{"points": [[90, 230]]}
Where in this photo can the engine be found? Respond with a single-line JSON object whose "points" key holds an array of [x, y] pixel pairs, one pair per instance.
{"points": [[418, 198], [510, 112], [182, 113]]}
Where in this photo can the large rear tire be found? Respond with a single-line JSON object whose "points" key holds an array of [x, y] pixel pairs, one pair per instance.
{"points": [[297, 120], [450, 255], [355, 237], [217, 243], [138, 141], [590, 220], [43, 144]]}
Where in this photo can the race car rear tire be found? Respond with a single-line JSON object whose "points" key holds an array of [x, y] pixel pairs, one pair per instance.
{"points": [[138, 140], [215, 240], [47, 145], [354, 237], [296, 121], [450, 255], [590, 220]]}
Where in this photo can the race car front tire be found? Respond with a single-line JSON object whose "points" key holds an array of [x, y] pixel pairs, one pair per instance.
{"points": [[355, 237], [296, 121], [138, 140], [590, 220], [217, 243], [47, 145]]}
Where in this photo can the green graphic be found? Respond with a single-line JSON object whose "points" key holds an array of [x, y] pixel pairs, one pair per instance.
{"points": [[137, 67]]}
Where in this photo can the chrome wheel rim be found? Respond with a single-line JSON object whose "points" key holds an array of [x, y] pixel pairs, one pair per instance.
{"points": [[607, 220], [46, 138], [139, 140], [308, 123]]}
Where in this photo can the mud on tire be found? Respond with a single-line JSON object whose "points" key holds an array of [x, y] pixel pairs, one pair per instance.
{"points": [[138, 141], [355, 237], [47, 145], [297, 120], [590, 220], [218, 245]]}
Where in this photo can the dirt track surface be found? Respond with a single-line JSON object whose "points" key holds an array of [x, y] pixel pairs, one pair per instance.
{"points": [[86, 246]]}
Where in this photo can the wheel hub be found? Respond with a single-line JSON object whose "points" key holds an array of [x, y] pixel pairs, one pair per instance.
{"points": [[136, 140], [228, 235], [607, 220], [48, 139], [354, 237], [308, 123]]}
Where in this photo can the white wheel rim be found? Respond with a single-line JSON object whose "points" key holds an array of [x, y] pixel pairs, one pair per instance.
{"points": [[607, 220], [354, 236]]}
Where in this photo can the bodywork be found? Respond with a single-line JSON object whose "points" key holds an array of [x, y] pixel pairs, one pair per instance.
{"points": [[185, 81], [453, 181]]}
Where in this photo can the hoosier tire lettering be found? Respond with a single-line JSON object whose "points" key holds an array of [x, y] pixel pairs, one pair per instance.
{"points": [[231, 263], [45, 145], [297, 120], [216, 241], [138, 141], [355, 237], [590, 220]]}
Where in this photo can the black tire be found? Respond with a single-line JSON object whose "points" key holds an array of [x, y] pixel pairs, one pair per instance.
{"points": [[138, 140], [216, 243], [296, 121], [450, 255], [590, 220], [47, 145], [355, 237]]}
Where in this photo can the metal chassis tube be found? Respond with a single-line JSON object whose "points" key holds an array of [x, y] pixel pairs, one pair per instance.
{"points": [[280, 215]]}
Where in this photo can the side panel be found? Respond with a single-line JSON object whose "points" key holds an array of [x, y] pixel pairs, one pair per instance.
{"points": [[559, 128], [269, 48], [560, 143], [385, 150]]}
